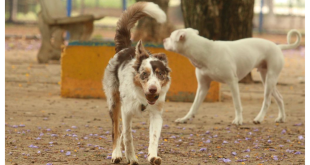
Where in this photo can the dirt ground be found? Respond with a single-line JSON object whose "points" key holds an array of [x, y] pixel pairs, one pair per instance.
{"points": [[42, 127]]}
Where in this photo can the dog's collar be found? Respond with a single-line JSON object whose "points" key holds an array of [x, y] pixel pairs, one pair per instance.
{"points": [[143, 107]]}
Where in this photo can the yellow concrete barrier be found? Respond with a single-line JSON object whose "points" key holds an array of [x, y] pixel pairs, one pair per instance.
{"points": [[83, 65]]}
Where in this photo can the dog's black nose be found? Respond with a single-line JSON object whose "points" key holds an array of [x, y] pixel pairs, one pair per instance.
{"points": [[153, 89]]}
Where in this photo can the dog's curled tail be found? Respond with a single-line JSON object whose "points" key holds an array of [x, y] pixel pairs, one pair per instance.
{"points": [[290, 45], [130, 17]]}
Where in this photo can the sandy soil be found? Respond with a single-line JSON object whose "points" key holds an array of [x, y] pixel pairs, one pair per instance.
{"points": [[41, 127]]}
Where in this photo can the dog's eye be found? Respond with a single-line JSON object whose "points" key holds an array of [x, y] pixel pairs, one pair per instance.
{"points": [[143, 75]]}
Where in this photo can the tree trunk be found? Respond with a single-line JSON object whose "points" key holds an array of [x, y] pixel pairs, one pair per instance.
{"points": [[220, 20], [149, 30]]}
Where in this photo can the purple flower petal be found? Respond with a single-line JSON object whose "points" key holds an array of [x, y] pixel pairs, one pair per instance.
{"points": [[68, 153], [207, 132], [109, 157], [215, 136], [234, 153], [203, 149], [73, 127], [300, 137], [225, 142], [297, 153], [241, 160], [68, 130], [289, 151], [207, 141], [140, 153], [48, 129], [269, 141], [226, 160], [22, 125], [283, 131], [49, 164], [133, 131], [166, 126], [173, 137], [39, 152], [247, 150], [298, 124], [54, 135], [38, 138]]}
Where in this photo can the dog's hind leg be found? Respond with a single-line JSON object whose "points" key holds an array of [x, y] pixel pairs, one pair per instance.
{"points": [[202, 90], [279, 99], [234, 88], [270, 83], [114, 107]]}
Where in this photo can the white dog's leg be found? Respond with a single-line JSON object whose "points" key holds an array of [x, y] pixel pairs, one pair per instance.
{"points": [[156, 122], [202, 90], [127, 138], [281, 116], [279, 99], [234, 88], [270, 82]]}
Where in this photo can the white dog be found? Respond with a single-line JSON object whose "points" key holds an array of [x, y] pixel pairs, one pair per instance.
{"points": [[230, 61], [136, 81]]}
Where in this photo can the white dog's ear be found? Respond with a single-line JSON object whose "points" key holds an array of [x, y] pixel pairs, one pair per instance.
{"points": [[180, 36]]}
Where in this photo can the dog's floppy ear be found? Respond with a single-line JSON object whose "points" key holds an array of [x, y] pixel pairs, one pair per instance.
{"points": [[180, 36], [161, 57], [141, 54]]}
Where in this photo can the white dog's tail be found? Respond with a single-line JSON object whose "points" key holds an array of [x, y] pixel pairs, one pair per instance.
{"points": [[290, 45], [130, 17]]}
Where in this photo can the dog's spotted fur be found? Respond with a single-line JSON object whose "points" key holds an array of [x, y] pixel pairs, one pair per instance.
{"points": [[134, 81]]}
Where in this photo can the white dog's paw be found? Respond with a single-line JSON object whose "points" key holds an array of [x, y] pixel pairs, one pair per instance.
{"points": [[280, 119], [183, 119], [154, 160], [133, 162], [258, 119], [116, 160], [116, 156], [237, 121]]}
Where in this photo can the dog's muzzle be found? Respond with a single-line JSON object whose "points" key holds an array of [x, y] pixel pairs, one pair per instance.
{"points": [[151, 98]]}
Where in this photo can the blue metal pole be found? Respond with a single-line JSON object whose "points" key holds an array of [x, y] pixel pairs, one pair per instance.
{"points": [[124, 5], [260, 28], [69, 7]]}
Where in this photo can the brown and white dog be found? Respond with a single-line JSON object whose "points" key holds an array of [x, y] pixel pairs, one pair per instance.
{"points": [[136, 81]]}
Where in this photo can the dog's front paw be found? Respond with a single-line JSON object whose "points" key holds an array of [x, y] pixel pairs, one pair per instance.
{"points": [[133, 162], [237, 121], [155, 161], [116, 160]]}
